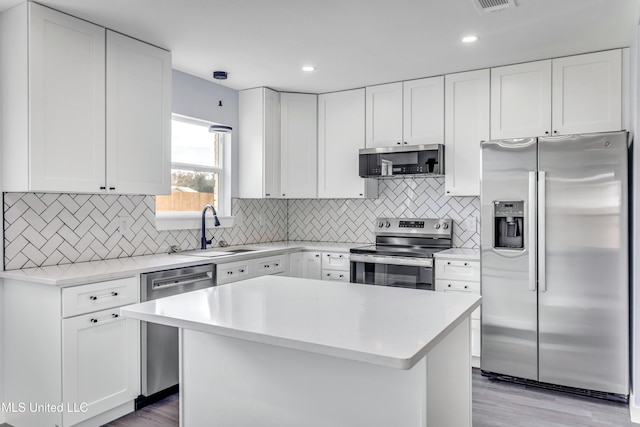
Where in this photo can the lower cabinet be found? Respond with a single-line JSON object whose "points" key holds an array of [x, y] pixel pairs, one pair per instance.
{"points": [[332, 266], [69, 348], [239, 270], [462, 276]]}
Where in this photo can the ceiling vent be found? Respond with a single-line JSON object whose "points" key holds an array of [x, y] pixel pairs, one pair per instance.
{"points": [[493, 5]]}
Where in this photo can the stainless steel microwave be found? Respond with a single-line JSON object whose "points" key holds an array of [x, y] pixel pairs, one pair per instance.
{"points": [[404, 160]]}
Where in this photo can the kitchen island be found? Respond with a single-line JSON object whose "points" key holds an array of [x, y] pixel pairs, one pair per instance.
{"points": [[279, 351]]}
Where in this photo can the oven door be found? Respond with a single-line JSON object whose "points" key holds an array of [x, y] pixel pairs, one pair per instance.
{"points": [[414, 273]]}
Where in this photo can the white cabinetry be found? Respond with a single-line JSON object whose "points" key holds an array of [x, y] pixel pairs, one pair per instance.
{"points": [[402, 113], [574, 94], [341, 132], [587, 93], [384, 115], [299, 154], [138, 117], [57, 111], [521, 100], [240, 270], [307, 265], [455, 275], [79, 351], [466, 124], [335, 266], [259, 143]]}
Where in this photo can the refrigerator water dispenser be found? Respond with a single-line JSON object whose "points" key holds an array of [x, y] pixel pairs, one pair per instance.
{"points": [[509, 225]]}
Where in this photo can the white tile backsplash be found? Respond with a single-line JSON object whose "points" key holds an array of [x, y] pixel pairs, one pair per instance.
{"points": [[46, 229]]}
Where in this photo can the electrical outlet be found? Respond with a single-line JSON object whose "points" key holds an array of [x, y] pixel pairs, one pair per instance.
{"points": [[261, 219], [124, 225], [469, 224]]}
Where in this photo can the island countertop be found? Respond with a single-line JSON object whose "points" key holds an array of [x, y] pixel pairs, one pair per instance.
{"points": [[381, 325]]}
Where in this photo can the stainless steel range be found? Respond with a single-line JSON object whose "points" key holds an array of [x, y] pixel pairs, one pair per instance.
{"points": [[403, 253]]}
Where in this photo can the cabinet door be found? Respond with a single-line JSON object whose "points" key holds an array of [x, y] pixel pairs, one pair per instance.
{"points": [[311, 265], [521, 100], [100, 362], [299, 146], [271, 143], [466, 124], [340, 136], [66, 102], [384, 115], [587, 93], [138, 117], [423, 112]]}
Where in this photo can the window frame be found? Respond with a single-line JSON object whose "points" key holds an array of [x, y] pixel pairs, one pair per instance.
{"points": [[190, 220]]}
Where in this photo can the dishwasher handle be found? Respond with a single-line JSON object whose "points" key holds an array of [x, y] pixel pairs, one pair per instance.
{"points": [[165, 283]]}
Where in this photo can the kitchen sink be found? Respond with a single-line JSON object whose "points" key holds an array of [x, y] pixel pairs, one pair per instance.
{"points": [[239, 251], [211, 253]]}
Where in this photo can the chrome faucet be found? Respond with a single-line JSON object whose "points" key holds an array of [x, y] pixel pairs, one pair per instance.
{"points": [[203, 241]]}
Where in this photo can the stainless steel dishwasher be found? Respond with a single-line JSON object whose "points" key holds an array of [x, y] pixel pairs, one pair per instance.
{"points": [[159, 346]]}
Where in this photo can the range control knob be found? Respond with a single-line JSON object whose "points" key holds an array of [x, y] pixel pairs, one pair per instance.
{"points": [[387, 224], [445, 225], [436, 225], [380, 224]]}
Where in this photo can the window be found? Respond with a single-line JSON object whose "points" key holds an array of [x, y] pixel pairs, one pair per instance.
{"points": [[197, 170]]}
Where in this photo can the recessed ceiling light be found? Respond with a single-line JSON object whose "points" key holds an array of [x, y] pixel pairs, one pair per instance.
{"points": [[308, 68], [469, 39]]}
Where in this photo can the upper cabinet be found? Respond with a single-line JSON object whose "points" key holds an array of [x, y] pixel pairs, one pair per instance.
{"points": [[138, 116], [57, 112], [259, 144], [521, 100], [587, 93], [341, 119], [298, 133], [467, 100], [405, 113], [574, 94]]}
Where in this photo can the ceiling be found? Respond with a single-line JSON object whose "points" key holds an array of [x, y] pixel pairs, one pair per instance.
{"points": [[355, 43]]}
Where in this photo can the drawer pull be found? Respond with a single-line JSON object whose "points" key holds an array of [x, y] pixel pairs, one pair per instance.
{"points": [[94, 297], [341, 276], [448, 262], [466, 286], [340, 256], [449, 285], [112, 316], [229, 272], [241, 271], [328, 274], [317, 255], [466, 263], [275, 265]]}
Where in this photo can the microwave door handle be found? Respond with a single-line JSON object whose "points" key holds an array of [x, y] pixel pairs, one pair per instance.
{"points": [[542, 231], [531, 236]]}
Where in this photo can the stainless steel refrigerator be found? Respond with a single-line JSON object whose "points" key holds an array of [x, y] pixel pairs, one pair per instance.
{"points": [[555, 268]]}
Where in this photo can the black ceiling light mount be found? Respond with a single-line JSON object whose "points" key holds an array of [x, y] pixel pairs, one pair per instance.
{"points": [[220, 75]]}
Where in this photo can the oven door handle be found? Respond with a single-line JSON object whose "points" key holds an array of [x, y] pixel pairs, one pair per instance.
{"points": [[392, 260]]}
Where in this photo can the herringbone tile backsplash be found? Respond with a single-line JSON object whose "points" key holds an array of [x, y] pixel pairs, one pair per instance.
{"points": [[352, 220], [46, 229]]}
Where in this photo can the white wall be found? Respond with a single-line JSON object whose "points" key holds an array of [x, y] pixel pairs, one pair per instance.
{"points": [[199, 98]]}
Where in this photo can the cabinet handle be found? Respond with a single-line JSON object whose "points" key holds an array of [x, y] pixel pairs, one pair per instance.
{"points": [[360, 194], [267, 266], [405, 142], [339, 256], [103, 188], [555, 131], [115, 294], [94, 320], [399, 143], [93, 298], [465, 263], [275, 265], [229, 272], [267, 194], [317, 256], [546, 132], [449, 285], [341, 276], [448, 191], [113, 316], [328, 274], [241, 271], [466, 286], [448, 263], [112, 188]]}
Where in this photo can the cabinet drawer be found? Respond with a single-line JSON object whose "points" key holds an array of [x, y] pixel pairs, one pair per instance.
{"points": [[458, 270], [335, 275], [233, 271], [100, 296], [271, 265], [458, 286], [335, 261]]}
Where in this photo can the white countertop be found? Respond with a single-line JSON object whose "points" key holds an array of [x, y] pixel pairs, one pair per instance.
{"points": [[96, 271], [382, 325], [459, 253]]}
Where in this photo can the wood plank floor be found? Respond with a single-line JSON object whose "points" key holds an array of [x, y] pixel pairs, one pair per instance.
{"points": [[495, 404]]}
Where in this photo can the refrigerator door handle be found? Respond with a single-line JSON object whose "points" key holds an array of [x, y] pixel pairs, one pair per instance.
{"points": [[531, 237], [542, 230]]}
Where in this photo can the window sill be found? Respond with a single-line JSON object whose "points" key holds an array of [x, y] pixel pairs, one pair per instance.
{"points": [[189, 221]]}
